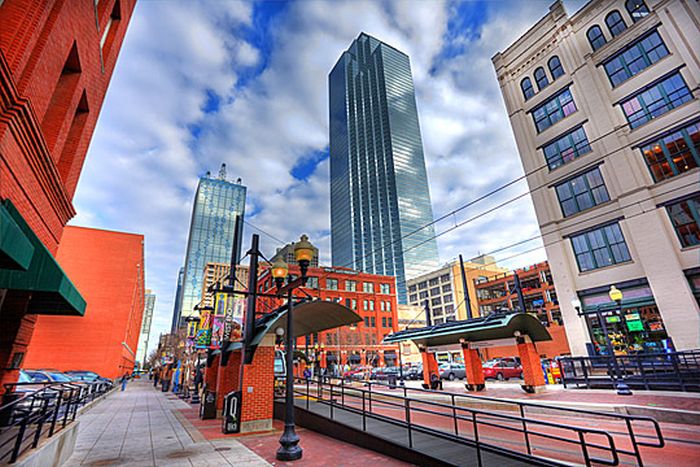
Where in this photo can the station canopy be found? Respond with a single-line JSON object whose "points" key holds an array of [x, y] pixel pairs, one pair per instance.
{"points": [[492, 327]]}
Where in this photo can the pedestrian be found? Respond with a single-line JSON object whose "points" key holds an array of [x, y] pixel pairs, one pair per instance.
{"points": [[198, 378], [307, 373], [123, 380], [156, 376], [166, 377]]}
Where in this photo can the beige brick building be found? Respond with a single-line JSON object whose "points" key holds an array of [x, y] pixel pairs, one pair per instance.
{"points": [[604, 108]]}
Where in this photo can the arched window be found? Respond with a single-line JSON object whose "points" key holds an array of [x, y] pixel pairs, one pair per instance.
{"points": [[526, 86], [615, 23], [596, 37], [541, 78], [637, 9], [555, 67]]}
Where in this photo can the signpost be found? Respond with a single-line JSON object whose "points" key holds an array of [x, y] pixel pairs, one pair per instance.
{"points": [[232, 413]]}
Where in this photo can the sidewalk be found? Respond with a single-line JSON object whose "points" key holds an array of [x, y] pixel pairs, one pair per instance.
{"points": [[139, 427]]}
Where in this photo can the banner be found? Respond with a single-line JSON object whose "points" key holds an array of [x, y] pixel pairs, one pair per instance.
{"points": [[233, 318]]}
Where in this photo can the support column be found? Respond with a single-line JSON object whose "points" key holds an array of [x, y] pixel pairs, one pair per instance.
{"points": [[323, 360], [258, 388], [211, 373], [382, 362], [473, 369], [532, 368], [15, 334], [430, 366], [228, 379], [343, 358]]}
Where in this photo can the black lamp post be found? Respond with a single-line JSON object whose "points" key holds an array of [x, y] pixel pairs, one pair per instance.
{"points": [[289, 449]]}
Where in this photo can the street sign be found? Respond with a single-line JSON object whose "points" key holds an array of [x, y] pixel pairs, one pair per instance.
{"points": [[232, 413], [207, 409]]}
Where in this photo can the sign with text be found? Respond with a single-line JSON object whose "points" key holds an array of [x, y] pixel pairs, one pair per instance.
{"points": [[492, 343], [232, 412]]}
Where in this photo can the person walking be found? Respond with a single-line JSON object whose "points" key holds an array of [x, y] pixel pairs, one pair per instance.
{"points": [[156, 376], [124, 380]]}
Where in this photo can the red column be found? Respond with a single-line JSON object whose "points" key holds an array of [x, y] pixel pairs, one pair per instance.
{"points": [[474, 370], [532, 368], [258, 390], [430, 366], [343, 358], [211, 373], [381, 358], [228, 378], [323, 362]]}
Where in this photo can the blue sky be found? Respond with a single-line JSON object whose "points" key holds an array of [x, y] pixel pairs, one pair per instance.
{"points": [[199, 83]]}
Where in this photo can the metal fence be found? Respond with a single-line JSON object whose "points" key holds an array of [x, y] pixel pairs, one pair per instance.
{"points": [[676, 371], [30, 414], [537, 431]]}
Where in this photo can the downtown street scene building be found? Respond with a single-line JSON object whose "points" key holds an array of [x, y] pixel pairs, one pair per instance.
{"points": [[443, 289], [604, 107], [217, 202], [380, 201], [145, 334]]}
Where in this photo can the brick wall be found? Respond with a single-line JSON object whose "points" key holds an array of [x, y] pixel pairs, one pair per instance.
{"points": [[228, 378], [258, 404]]}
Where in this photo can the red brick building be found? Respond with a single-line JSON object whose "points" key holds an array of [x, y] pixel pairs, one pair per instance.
{"points": [[371, 296], [56, 61], [108, 269], [498, 293]]}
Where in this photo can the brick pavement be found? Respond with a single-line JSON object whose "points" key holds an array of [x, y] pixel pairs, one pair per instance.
{"points": [[142, 427]]}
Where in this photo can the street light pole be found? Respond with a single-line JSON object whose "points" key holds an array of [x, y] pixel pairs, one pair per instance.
{"points": [[289, 441]]}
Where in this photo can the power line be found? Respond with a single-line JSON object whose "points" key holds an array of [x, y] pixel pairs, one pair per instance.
{"points": [[265, 233]]}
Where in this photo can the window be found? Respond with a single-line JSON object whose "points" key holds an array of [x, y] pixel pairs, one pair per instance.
{"points": [[412, 288], [635, 58], [390, 321], [541, 78], [445, 278], [596, 37], [423, 285], [373, 322], [423, 294], [366, 321], [436, 301], [555, 67], [685, 217], [365, 305], [446, 288], [601, 247], [447, 298], [582, 192], [351, 286], [656, 100], [615, 23], [312, 283], [413, 298], [371, 305], [528, 90], [553, 110], [332, 284], [566, 148], [384, 289], [433, 281], [368, 287], [382, 305], [449, 308], [383, 322], [435, 291], [674, 154], [637, 9]]}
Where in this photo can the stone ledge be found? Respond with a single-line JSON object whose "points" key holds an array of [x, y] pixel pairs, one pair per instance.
{"points": [[53, 451]]}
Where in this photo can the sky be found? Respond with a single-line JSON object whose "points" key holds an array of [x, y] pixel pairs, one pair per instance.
{"points": [[198, 83]]}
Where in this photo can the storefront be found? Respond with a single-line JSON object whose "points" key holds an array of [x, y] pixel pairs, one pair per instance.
{"points": [[633, 326]]}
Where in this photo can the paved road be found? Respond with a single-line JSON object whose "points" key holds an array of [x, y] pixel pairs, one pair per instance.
{"points": [[141, 427]]}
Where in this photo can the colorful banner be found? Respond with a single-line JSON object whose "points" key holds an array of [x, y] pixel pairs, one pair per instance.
{"points": [[234, 316], [203, 338]]}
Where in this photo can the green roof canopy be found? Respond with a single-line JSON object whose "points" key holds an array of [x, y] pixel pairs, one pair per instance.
{"points": [[495, 326], [52, 290], [16, 250]]}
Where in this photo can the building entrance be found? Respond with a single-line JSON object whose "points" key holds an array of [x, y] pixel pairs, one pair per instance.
{"points": [[632, 330]]}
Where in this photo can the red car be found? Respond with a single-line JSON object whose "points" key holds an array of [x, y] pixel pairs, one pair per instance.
{"points": [[503, 368]]}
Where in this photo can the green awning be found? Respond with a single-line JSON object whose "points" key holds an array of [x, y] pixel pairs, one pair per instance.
{"points": [[53, 293], [16, 250], [492, 327]]}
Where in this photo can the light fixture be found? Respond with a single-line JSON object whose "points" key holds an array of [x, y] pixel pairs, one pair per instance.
{"points": [[303, 254], [517, 333], [576, 303], [279, 331], [615, 294], [353, 326], [279, 272]]}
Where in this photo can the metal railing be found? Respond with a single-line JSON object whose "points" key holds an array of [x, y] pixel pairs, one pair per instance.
{"points": [[624, 428], [30, 416], [675, 371]]}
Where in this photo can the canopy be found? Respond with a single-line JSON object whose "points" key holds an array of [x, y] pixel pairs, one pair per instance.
{"points": [[36, 270], [495, 326], [309, 318]]}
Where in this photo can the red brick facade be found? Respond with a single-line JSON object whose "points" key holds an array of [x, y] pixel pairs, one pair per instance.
{"points": [[258, 404], [377, 309], [108, 269], [56, 61]]}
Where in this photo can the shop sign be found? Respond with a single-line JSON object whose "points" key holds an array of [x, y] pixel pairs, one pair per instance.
{"points": [[656, 326], [492, 343], [443, 348], [612, 319], [634, 322]]}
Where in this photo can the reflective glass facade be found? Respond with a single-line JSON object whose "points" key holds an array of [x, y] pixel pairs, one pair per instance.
{"points": [[379, 186], [216, 205]]}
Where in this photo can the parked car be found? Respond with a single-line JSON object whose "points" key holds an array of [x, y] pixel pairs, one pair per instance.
{"points": [[49, 376], [503, 368], [414, 372], [88, 377], [452, 371]]}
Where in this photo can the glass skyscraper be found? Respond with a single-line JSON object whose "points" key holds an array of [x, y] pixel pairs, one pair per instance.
{"points": [[216, 205], [379, 188]]}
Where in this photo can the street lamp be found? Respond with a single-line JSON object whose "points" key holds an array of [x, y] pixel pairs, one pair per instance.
{"points": [[622, 389], [289, 449]]}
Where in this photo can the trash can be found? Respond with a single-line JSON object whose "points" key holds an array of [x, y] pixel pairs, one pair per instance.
{"points": [[392, 380], [207, 409]]}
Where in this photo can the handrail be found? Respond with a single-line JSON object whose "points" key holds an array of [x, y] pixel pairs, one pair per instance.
{"points": [[42, 412], [628, 420], [475, 415]]}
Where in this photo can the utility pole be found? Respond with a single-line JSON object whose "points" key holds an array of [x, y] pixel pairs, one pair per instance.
{"points": [[467, 300]]}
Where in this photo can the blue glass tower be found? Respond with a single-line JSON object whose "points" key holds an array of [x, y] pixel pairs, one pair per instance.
{"points": [[379, 187], [176, 307], [216, 205]]}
